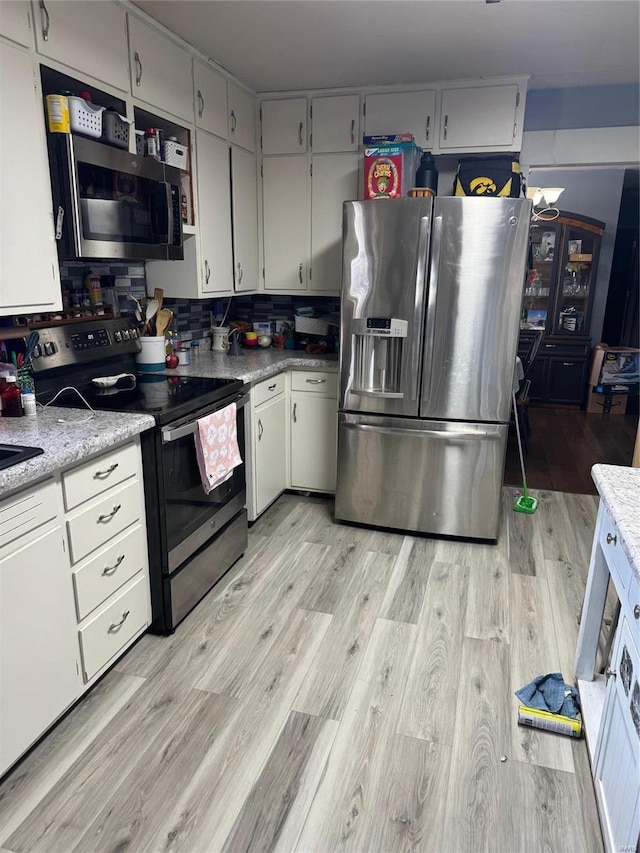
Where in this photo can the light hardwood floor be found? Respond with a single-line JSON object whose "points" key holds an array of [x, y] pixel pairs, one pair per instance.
{"points": [[341, 689]]}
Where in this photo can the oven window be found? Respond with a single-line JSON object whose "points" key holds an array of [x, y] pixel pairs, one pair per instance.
{"points": [[120, 207], [187, 505]]}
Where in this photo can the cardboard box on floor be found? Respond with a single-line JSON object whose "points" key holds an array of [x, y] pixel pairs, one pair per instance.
{"points": [[615, 366], [595, 403]]}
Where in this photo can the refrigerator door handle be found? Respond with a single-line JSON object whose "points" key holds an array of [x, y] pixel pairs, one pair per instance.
{"points": [[389, 395], [450, 435], [430, 333], [421, 274]]}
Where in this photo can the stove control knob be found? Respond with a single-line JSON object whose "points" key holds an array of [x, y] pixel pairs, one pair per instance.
{"points": [[37, 352], [125, 334], [118, 336], [48, 348], [134, 333]]}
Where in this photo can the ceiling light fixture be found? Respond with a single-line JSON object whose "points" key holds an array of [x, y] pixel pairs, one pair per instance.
{"points": [[547, 196]]}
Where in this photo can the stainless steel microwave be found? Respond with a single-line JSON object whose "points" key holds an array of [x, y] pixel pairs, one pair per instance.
{"points": [[109, 203]]}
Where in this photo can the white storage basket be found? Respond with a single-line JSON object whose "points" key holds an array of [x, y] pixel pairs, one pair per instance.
{"points": [[175, 154], [312, 325], [85, 118]]}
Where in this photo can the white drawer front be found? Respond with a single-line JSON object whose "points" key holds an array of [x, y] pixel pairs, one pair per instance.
{"points": [[612, 548], [99, 577], [91, 479], [103, 520], [320, 382], [267, 390], [26, 511], [110, 629]]}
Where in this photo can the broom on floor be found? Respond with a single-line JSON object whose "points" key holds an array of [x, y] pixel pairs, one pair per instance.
{"points": [[523, 503]]}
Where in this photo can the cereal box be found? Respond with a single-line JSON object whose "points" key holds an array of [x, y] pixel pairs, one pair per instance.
{"points": [[389, 169]]}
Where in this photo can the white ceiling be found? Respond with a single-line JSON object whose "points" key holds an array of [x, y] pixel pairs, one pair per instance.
{"points": [[276, 45]]}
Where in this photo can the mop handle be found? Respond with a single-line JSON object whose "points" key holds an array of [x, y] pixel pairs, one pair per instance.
{"points": [[515, 416]]}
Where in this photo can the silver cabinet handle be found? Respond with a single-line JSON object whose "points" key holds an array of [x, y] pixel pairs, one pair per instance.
{"points": [[271, 387], [315, 381], [612, 539], [427, 129], [295, 413], [446, 126], [109, 570], [549, 346], [300, 126], [636, 611], [240, 273], [46, 21], [200, 104], [353, 130], [568, 363], [207, 272], [138, 61], [106, 473], [115, 626], [108, 516], [234, 122], [610, 673], [300, 273], [260, 430]]}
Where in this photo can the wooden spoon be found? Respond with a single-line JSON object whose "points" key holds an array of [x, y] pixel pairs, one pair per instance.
{"points": [[163, 320], [158, 295]]}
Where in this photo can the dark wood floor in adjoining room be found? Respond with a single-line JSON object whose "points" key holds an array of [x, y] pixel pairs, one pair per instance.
{"points": [[565, 443]]}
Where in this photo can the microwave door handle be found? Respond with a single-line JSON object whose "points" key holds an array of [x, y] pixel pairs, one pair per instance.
{"points": [[169, 198]]}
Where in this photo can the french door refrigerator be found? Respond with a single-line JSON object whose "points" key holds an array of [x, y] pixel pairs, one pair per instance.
{"points": [[431, 297]]}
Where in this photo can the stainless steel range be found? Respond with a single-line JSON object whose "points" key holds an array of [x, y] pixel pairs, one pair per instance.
{"points": [[193, 538]]}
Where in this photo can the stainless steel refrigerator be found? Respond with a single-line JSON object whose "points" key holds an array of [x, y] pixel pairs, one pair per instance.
{"points": [[431, 297]]}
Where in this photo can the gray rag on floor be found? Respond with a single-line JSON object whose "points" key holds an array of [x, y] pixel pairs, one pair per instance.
{"points": [[550, 693]]}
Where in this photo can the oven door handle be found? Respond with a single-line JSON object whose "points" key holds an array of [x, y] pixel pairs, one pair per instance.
{"points": [[170, 433]]}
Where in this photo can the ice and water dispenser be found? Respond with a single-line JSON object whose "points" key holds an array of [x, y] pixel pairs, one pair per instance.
{"points": [[377, 347]]}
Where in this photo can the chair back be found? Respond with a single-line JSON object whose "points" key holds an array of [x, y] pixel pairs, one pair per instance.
{"points": [[530, 357]]}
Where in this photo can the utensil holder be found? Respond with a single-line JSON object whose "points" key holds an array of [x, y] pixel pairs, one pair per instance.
{"points": [[152, 354]]}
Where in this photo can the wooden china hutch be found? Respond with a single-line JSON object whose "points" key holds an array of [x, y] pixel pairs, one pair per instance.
{"points": [[558, 299]]}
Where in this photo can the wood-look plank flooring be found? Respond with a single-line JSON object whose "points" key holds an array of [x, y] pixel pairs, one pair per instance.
{"points": [[340, 689], [565, 443]]}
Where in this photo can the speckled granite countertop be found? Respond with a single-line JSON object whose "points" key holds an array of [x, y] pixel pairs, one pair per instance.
{"points": [[254, 365], [619, 489], [63, 444]]}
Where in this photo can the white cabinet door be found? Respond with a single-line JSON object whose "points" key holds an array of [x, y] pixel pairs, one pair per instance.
{"points": [[403, 112], [214, 206], [242, 117], [38, 642], [284, 126], [15, 22], [210, 96], [90, 37], [334, 180], [160, 70], [245, 219], [478, 117], [285, 189], [313, 442], [335, 124], [270, 442], [29, 276]]}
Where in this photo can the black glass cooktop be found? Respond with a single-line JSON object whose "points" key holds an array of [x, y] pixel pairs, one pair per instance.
{"points": [[167, 398]]}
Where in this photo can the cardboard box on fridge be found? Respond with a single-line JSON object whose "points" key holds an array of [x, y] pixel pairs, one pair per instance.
{"points": [[615, 366], [596, 402]]}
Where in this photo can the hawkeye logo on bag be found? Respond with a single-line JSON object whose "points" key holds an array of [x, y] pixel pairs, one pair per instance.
{"points": [[488, 176]]}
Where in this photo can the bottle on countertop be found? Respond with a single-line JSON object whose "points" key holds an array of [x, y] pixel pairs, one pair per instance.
{"points": [[29, 402], [11, 399], [94, 289]]}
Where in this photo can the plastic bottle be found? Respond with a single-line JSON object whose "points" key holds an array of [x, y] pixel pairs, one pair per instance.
{"points": [[29, 402], [11, 399], [58, 119], [94, 289], [427, 174], [152, 143]]}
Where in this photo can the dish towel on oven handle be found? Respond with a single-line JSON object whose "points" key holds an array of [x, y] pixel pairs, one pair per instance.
{"points": [[217, 448]]}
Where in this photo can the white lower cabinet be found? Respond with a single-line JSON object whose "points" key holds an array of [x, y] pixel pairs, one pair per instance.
{"points": [[39, 676], [314, 430], [270, 437]]}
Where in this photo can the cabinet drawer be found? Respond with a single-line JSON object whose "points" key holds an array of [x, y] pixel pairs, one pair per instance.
{"points": [[96, 476], [103, 520], [110, 629], [316, 381], [565, 349], [26, 511], [267, 390], [109, 569], [612, 550]]}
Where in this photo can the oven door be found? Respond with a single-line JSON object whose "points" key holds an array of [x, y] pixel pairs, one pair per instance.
{"points": [[191, 516]]}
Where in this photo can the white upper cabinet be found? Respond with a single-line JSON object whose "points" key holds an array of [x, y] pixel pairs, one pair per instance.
{"points": [[210, 97], [160, 70], [403, 112], [285, 188], [15, 22], [479, 117], [334, 180], [29, 276], [284, 126], [242, 117], [335, 123], [214, 206], [245, 219], [87, 36]]}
